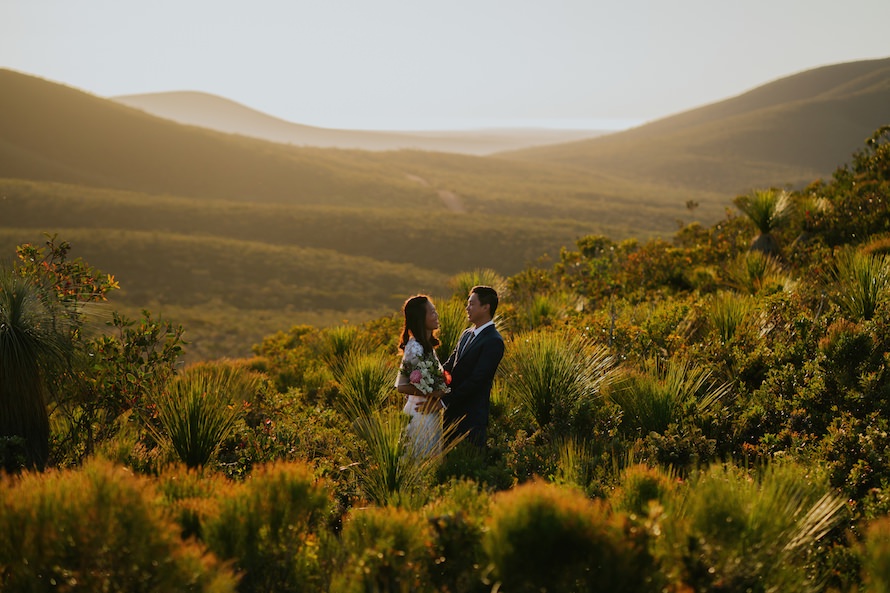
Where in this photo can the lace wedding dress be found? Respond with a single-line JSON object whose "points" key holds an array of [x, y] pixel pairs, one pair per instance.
{"points": [[424, 431]]}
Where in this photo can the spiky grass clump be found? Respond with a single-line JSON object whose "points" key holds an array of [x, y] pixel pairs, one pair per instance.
{"points": [[198, 409], [661, 393], [33, 348], [271, 528], [727, 529], [98, 528], [340, 343], [726, 311], [756, 273], [543, 537], [389, 470], [861, 282], [549, 373], [452, 322], [767, 210], [366, 383], [462, 283]]}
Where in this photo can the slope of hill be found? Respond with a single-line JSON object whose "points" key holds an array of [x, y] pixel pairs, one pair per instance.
{"points": [[236, 235], [216, 113], [790, 131]]}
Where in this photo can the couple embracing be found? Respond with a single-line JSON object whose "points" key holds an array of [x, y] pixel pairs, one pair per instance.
{"points": [[460, 388]]}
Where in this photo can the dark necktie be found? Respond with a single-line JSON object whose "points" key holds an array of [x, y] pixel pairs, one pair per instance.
{"points": [[465, 345]]}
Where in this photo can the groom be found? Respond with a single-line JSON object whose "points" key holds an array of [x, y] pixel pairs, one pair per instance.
{"points": [[472, 366]]}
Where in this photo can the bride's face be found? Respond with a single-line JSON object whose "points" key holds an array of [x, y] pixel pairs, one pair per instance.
{"points": [[432, 317]]}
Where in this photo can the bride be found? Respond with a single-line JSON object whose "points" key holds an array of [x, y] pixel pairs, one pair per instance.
{"points": [[421, 377]]}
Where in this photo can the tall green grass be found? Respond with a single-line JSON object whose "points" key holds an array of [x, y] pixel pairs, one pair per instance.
{"points": [[367, 383], [462, 283], [198, 409], [653, 398], [754, 272], [549, 373], [452, 322], [725, 311], [861, 282]]}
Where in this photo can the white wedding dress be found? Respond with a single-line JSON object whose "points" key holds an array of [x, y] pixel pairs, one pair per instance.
{"points": [[424, 431]]}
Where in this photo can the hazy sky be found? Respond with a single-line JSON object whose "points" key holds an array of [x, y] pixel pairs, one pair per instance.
{"points": [[409, 64]]}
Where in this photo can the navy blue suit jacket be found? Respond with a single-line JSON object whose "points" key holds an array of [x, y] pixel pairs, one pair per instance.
{"points": [[472, 375]]}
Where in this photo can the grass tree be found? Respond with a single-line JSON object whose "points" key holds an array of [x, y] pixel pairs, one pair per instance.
{"points": [[768, 210], [33, 346], [366, 383], [389, 470], [755, 273], [452, 323], [198, 409], [663, 393], [861, 282], [463, 282], [551, 372]]}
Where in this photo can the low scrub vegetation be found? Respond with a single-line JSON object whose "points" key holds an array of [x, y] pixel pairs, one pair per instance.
{"points": [[685, 415]]}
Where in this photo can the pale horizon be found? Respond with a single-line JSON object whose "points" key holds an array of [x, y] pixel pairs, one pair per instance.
{"points": [[391, 66]]}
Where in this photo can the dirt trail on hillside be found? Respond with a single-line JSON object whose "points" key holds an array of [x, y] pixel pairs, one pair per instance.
{"points": [[451, 200]]}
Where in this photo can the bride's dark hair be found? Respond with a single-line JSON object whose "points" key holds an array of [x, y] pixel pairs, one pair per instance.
{"points": [[415, 323]]}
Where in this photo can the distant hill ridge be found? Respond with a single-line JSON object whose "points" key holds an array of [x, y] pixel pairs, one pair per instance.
{"points": [[224, 115], [792, 131]]}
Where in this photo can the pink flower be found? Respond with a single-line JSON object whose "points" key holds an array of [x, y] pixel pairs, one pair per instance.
{"points": [[415, 376]]}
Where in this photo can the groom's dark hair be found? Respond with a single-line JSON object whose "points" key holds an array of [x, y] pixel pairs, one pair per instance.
{"points": [[487, 296]]}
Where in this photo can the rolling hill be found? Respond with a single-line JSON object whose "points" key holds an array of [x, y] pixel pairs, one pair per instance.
{"points": [[789, 131], [236, 237], [220, 114]]}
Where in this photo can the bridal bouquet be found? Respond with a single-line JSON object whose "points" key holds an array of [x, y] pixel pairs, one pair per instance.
{"points": [[425, 373]]}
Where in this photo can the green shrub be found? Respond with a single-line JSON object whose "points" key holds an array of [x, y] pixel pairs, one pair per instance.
{"points": [[96, 529], [386, 550], [458, 518], [640, 487], [339, 344], [271, 528], [725, 531], [876, 557], [552, 538]]}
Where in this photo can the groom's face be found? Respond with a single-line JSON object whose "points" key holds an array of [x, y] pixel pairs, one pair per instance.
{"points": [[477, 313]]}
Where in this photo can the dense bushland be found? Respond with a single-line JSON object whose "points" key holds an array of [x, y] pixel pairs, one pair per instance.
{"points": [[707, 413]]}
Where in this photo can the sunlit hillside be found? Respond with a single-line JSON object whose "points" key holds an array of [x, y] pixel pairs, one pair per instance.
{"points": [[224, 115], [789, 131], [238, 237]]}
